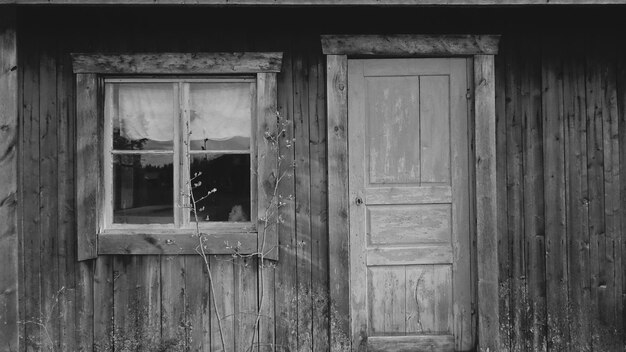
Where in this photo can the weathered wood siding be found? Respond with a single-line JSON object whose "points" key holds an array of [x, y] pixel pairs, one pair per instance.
{"points": [[561, 147], [561, 123], [154, 302]]}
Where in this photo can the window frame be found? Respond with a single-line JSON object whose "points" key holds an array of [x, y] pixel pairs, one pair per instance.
{"points": [[96, 233], [182, 221]]}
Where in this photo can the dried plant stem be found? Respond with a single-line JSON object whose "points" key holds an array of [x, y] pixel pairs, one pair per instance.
{"points": [[271, 218], [206, 264]]}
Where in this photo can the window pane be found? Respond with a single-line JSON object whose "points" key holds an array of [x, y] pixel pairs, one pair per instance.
{"points": [[229, 174], [143, 189], [221, 115], [143, 116]]}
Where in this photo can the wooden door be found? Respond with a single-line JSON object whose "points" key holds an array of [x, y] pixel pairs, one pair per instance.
{"points": [[410, 268]]}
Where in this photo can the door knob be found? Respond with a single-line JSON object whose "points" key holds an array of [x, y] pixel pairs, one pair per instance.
{"points": [[358, 201]]}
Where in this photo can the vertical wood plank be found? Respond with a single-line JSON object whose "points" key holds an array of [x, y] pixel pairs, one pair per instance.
{"points": [[268, 173], [613, 214], [337, 114], [30, 197], [87, 157], [286, 279], [51, 293], [554, 190], [267, 337], [504, 291], [534, 223], [621, 104], [137, 298], [66, 214], [9, 308], [246, 304], [197, 305], [577, 194], [486, 210], [604, 196], [84, 306], [319, 199], [173, 324], [515, 198], [364, 304], [103, 328], [222, 271], [303, 197], [595, 161]]}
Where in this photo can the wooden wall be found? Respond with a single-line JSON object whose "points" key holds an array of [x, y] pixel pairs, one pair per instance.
{"points": [[561, 122], [561, 104], [162, 302]]}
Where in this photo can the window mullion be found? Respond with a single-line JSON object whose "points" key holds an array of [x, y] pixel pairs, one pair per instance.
{"points": [[185, 125], [176, 161], [108, 157]]}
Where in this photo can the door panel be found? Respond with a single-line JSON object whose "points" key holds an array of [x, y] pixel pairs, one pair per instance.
{"points": [[409, 211]]}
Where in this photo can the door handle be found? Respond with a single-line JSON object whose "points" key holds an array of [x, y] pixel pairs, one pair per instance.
{"points": [[358, 201]]}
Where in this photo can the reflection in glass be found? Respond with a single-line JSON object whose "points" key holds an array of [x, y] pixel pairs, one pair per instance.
{"points": [[229, 174], [221, 115], [143, 189], [143, 116]]}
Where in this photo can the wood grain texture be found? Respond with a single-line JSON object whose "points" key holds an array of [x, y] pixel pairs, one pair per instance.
{"points": [[87, 165], [30, 197], [504, 258], [338, 231], [410, 45], [515, 189], [286, 315], [103, 323], [267, 173], [140, 243], [621, 104], [303, 195], [9, 277], [173, 317], [177, 63], [577, 194], [554, 190], [319, 200], [48, 192], [66, 197], [411, 343], [224, 299], [486, 195]]}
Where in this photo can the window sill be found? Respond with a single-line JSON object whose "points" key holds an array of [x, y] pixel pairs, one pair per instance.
{"points": [[178, 242]]}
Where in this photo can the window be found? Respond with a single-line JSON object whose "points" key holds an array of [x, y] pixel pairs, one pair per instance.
{"points": [[191, 130], [148, 131]]}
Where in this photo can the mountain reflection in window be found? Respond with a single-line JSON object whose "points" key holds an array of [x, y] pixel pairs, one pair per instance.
{"points": [[220, 116], [220, 123], [213, 120]]}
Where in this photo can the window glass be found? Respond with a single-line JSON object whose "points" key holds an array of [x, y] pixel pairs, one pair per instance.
{"points": [[153, 157], [143, 116], [229, 175], [220, 116], [143, 190]]}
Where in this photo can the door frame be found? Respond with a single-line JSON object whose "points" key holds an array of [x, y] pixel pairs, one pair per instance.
{"points": [[482, 48]]}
